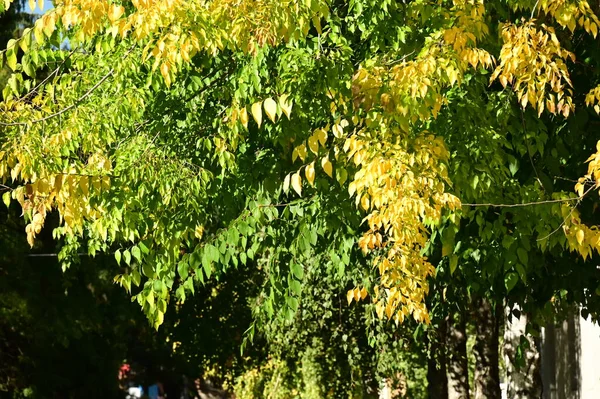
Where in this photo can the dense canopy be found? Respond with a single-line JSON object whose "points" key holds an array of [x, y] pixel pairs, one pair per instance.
{"points": [[192, 138]]}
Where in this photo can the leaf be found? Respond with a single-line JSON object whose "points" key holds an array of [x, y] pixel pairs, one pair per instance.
{"points": [[257, 113], [297, 270], [32, 5], [341, 175], [363, 293], [510, 280], [350, 296], [270, 108], [136, 277], [244, 117], [313, 144], [327, 166], [286, 106], [11, 55], [453, 264], [118, 256], [580, 235], [286, 183], [296, 181], [522, 254], [182, 269], [309, 171], [299, 152], [127, 256], [321, 136], [135, 251], [296, 287], [338, 131], [28, 67]]}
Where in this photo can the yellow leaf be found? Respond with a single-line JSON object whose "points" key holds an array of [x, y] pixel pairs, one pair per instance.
{"points": [[580, 236], [244, 117], [309, 171], [349, 296], [363, 293], [257, 113], [286, 106], [313, 144], [198, 232], [299, 151], [321, 136], [356, 293], [364, 202], [296, 181], [270, 108], [116, 11], [32, 5], [41, 4], [286, 183], [338, 131], [327, 166]]}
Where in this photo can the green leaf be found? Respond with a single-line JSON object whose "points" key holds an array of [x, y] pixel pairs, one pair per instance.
{"points": [[6, 199], [147, 270], [182, 269], [137, 277], [127, 256], [118, 256], [296, 287], [11, 55], [510, 280], [135, 251], [522, 254], [297, 270], [28, 67], [453, 263], [206, 264]]}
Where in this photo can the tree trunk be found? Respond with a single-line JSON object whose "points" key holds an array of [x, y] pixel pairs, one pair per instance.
{"points": [[437, 381], [487, 374], [524, 378], [458, 367]]}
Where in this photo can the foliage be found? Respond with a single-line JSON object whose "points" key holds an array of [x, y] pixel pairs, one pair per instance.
{"points": [[142, 141]]}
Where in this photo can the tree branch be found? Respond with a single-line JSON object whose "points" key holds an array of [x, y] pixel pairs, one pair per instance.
{"points": [[62, 111]]}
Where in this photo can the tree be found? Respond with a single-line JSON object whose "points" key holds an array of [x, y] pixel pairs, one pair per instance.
{"points": [[172, 134]]}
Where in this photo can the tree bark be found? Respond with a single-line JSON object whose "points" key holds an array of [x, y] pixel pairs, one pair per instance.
{"points": [[487, 374], [524, 378], [437, 381], [458, 365]]}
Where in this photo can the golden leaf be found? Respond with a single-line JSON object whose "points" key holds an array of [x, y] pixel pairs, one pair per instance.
{"points": [[270, 108], [327, 166], [296, 181], [244, 117], [313, 144], [286, 183], [257, 113], [286, 106], [309, 171], [363, 293], [321, 136], [338, 131], [580, 235]]}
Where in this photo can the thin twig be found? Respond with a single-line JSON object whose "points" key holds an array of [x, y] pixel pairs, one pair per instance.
{"points": [[527, 203], [62, 111], [529, 150], [533, 10], [569, 215]]}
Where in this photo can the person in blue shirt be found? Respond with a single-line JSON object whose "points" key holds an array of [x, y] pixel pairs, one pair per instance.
{"points": [[156, 391]]}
